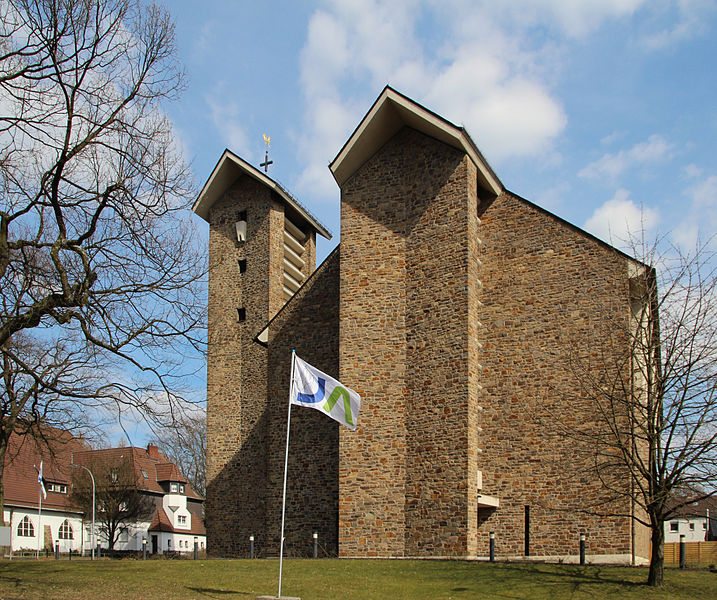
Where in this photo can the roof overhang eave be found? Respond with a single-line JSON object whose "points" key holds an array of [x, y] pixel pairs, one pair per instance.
{"points": [[226, 172], [387, 116]]}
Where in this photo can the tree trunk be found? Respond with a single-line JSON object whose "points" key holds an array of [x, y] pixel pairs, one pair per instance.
{"points": [[657, 557]]}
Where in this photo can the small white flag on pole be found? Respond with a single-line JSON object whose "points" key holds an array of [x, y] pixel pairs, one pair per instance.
{"points": [[318, 390], [41, 481]]}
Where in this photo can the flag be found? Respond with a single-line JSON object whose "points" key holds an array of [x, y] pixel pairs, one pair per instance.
{"points": [[310, 387], [41, 481]]}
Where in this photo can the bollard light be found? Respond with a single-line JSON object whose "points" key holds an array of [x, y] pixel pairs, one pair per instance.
{"points": [[251, 546], [144, 548], [316, 544], [492, 546], [582, 548]]}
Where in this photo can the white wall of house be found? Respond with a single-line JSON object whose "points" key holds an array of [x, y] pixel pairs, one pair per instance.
{"points": [[53, 518], [175, 542], [694, 529], [175, 506], [131, 540]]}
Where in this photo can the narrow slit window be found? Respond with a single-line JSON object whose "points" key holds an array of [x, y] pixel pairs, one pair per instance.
{"points": [[242, 314], [242, 265]]}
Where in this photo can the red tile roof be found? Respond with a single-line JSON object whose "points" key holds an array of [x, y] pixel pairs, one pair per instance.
{"points": [[150, 467], [54, 448], [161, 522], [695, 509], [169, 472], [57, 449]]}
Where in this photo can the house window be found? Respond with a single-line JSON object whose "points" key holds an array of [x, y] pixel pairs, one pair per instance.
{"points": [[26, 528], [66, 531], [241, 313], [242, 265], [144, 474], [692, 526], [60, 488], [169, 544], [173, 487], [704, 525], [674, 526], [181, 519], [181, 488]]}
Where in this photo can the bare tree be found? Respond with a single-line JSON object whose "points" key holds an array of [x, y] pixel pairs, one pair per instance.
{"points": [[652, 385], [118, 501], [185, 444], [100, 277]]}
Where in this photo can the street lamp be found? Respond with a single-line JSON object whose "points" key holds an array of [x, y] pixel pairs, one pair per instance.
{"points": [[92, 477]]}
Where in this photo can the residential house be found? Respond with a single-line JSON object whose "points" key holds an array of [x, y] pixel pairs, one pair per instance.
{"points": [[697, 521], [59, 522], [174, 523]]}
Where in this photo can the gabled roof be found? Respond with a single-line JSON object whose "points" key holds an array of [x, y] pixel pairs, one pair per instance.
{"points": [[161, 522], [229, 168], [54, 448], [697, 508], [148, 471], [169, 472], [392, 111]]}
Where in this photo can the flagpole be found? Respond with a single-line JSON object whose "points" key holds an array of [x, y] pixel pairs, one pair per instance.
{"points": [[39, 521], [286, 468]]}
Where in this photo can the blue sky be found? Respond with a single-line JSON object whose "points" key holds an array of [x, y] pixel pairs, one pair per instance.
{"points": [[603, 112]]}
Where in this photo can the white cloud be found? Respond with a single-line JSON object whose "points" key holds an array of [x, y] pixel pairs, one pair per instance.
{"points": [[692, 21], [481, 79], [509, 115], [655, 149], [700, 219], [573, 18], [692, 171], [619, 218], [227, 118]]}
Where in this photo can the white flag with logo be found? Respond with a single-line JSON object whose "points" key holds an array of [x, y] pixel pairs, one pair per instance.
{"points": [[310, 387]]}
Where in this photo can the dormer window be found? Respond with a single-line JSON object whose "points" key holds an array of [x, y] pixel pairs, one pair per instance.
{"points": [[173, 487], [181, 488], [182, 519]]}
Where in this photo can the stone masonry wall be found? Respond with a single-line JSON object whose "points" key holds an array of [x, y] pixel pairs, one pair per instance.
{"points": [[438, 305], [547, 290], [309, 324], [237, 366], [406, 219]]}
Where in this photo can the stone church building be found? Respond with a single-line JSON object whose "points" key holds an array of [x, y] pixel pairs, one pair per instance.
{"points": [[445, 307]]}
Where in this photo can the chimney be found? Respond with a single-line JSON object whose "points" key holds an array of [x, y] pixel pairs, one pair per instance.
{"points": [[153, 451]]}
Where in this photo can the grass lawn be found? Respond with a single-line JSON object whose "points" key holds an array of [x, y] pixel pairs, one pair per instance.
{"points": [[337, 579]]}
